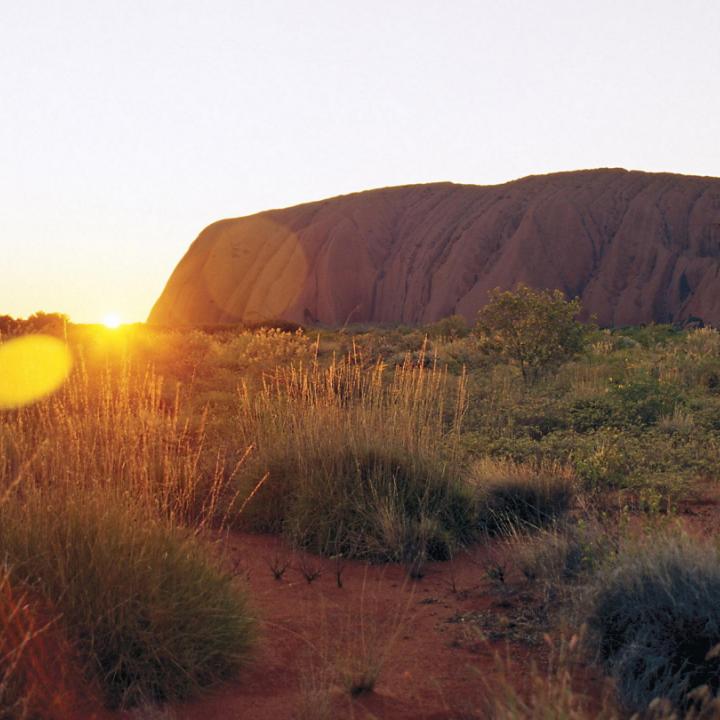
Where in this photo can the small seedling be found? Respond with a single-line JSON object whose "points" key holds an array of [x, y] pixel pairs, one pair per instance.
{"points": [[416, 569], [278, 566], [339, 569], [496, 572], [309, 570], [362, 685]]}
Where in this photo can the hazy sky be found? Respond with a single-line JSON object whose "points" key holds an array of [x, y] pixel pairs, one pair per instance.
{"points": [[128, 126]]}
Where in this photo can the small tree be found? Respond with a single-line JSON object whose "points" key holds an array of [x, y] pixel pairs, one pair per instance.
{"points": [[536, 329]]}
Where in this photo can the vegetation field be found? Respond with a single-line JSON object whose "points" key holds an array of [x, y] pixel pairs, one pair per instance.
{"points": [[200, 519]]}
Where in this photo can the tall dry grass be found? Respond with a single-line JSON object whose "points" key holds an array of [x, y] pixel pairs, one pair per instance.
{"points": [[118, 431], [105, 491], [359, 461]]}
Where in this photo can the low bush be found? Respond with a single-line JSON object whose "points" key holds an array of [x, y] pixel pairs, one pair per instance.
{"points": [[590, 414], [642, 400], [345, 464], [150, 616], [513, 496], [565, 554], [656, 621]]}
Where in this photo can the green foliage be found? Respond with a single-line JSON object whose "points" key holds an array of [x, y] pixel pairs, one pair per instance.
{"points": [[536, 329], [652, 335], [642, 400], [374, 457], [588, 414], [453, 327], [104, 493], [149, 614], [656, 621]]}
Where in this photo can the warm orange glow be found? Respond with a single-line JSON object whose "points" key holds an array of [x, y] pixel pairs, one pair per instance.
{"points": [[32, 367], [112, 321]]}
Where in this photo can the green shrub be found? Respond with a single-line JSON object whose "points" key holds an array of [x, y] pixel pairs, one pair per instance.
{"points": [[451, 328], [606, 459], [590, 414], [656, 621], [151, 617], [369, 500], [535, 329], [643, 400], [649, 336]]}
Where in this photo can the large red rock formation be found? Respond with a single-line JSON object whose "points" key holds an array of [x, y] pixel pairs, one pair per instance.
{"points": [[635, 247]]}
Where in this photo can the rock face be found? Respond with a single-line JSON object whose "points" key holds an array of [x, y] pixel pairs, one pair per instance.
{"points": [[635, 247]]}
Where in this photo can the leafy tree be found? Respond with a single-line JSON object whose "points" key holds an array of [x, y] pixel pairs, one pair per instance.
{"points": [[536, 329]]}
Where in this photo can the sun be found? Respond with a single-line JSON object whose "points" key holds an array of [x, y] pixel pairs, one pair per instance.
{"points": [[111, 321]]}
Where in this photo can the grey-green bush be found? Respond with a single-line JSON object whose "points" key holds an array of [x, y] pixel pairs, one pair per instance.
{"points": [[656, 621]]}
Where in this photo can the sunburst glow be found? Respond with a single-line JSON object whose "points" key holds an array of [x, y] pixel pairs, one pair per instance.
{"points": [[112, 321]]}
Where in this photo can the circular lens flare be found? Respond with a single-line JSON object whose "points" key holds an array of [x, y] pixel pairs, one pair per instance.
{"points": [[31, 368]]}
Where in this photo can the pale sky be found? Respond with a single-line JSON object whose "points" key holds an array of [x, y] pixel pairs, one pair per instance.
{"points": [[127, 126]]}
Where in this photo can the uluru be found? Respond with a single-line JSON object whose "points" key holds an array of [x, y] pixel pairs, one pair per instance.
{"points": [[635, 247]]}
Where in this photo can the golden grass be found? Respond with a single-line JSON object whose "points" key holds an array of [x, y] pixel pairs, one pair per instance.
{"points": [[105, 491]]}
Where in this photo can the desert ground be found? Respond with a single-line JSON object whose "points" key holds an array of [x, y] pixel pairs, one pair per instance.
{"points": [[371, 522]]}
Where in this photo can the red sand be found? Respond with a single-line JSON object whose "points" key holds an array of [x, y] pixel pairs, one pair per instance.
{"points": [[440, 635], [436, 663]]}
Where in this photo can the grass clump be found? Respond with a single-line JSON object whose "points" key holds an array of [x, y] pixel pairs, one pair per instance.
{"points": [[104, 491], [350, 464], [152, 618], [515, 496], [656, 621], [549, 693]]}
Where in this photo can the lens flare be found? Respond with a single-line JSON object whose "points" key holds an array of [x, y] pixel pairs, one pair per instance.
{"points": [[31, 368]]}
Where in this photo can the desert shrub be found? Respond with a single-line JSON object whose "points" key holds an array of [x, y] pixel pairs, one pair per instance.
{"points": [[680, 422], [151, 617], [452, 327], [707, 416], [279, 325], [262, 349], [539, 420], [590, 414], [643, 400], [606, 460], [696, 361], [512, 496], [623, 342], [98, 483], [16, 634], [566, 553], [460, 354], [346, 463], [536, 329], [38, 669], [703, 342], [656, 621], [652, 335]]}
